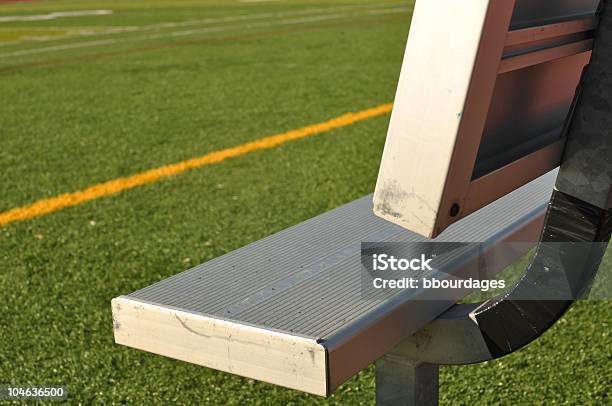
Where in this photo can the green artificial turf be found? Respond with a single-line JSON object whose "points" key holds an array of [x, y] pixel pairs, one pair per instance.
{"points": [[75, 117]]}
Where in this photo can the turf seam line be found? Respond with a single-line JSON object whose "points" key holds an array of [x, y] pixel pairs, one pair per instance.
{"points": [[46, 206]]}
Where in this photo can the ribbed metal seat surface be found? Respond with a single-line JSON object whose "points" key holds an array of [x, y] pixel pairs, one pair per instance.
{"points": [[301, 289]]}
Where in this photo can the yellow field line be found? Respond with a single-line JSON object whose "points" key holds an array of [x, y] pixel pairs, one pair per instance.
{"points": [[46, 206]]}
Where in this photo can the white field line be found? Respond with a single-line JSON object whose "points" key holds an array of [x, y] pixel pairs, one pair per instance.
{"points": [[54, 16], [257, 16], [87, 44], [69, 32], [62, 47], [220, 20], [259, 25], [385, 11]]}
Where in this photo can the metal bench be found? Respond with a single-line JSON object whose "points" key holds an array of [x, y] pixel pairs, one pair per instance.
{"points": [[290, 309]]}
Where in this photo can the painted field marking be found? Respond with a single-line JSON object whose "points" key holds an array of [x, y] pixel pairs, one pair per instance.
{"points": [[97, 43], [65, 47], [45, 206], [198, 41], [292, 21], [288, 21], [161, 26], [84, 44], [54, 16], [52, 34]]}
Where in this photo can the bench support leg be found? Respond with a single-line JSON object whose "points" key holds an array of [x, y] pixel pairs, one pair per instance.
{"points": [[402, 382]]}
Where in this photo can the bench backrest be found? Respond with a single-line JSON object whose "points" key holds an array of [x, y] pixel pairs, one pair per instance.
{"points": [[484, 92]]}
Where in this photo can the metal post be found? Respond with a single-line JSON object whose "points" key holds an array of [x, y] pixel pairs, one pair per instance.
{"points": [[401, 382]]}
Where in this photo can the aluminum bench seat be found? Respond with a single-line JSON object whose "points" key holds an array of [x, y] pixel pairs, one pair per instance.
{"points": [[289, 309]]}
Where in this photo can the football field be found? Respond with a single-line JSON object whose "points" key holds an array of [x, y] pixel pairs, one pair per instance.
{"points": [[141, 138]]}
